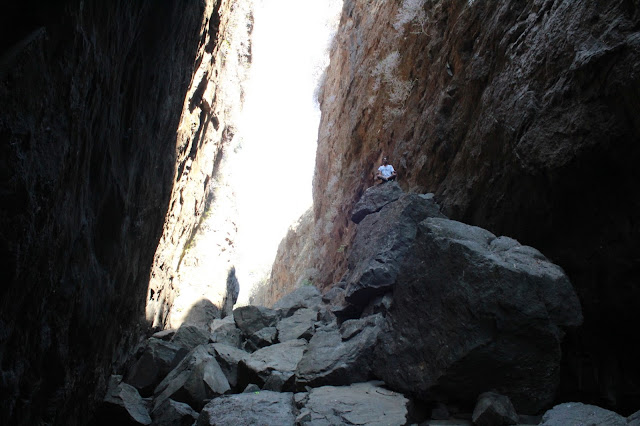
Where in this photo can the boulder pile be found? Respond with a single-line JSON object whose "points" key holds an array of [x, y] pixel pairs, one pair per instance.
{"points": [[432, 318]]}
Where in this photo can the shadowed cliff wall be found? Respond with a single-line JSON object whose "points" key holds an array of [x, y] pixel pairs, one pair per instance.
{"points": [[92, 95], [521, 116]]}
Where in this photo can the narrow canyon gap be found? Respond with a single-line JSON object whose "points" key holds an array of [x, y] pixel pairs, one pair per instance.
{"points": [[117, 120]]}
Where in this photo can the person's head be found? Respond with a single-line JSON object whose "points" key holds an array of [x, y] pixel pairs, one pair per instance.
{"points": [[385, 160]]}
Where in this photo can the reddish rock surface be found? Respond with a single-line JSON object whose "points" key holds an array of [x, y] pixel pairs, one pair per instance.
{"points": [[522, 118]]}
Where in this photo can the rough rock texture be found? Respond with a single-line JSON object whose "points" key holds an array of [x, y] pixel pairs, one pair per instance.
{"points": [[201, 206], [468, 310], [521, 118], [157, 360], [93, 96], [256, 408], [292, 268], [173, 413], [579, 414], [358, 404], [340, 356]]}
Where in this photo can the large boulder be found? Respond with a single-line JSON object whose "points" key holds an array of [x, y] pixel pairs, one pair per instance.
{"points": [[374, 199], [307, 296], [122, 405], [300, 325], [472, 311], [173, 413], [196, 378], [190, 336], [382, 241], [340, 356], [358, 404], [579, 414], [157, 360], [256, 408], [225, 331], [228, 358], [272, 367], [250, 319]]}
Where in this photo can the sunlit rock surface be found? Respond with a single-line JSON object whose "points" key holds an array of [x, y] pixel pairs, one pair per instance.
{"points": [[521, 118], [195, 257]]}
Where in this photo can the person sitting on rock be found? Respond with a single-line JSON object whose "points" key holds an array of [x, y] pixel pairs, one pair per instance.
{"points": [[386, 172]]}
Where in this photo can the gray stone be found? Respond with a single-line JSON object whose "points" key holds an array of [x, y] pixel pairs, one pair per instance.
{"points": [[382, 241], [157, 360], [190, 336], [228, 358], [264, 337], [256, 408], [340, 357], [493, 409], [202, 314], [251, 388], [374, 199], [303, 297], [250, 319], [123, 404], [171, 413], [332, 294], [196, 378], [300, 325], [358, 404], [274, 365], [634, 419], [225, 331], [470, 312], [579, 414]]}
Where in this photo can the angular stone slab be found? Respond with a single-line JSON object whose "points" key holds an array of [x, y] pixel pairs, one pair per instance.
{"points": [[358, 404], [579, 414], [340, 356], [171, 413], [257, 408], [273, 366], [374, 199], [302, 297], [123, 404], [157, 360], [225, 331], [228, 358], [196, 378], [250, 319], [190, 336], [300, 325], [381, 243]]}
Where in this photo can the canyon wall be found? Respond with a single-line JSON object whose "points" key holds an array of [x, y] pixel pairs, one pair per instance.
{"points": [[111, 117], [522, 118]]}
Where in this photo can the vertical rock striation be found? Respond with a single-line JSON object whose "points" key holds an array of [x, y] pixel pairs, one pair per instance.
{"points": [[521, 118], [105, 110]]}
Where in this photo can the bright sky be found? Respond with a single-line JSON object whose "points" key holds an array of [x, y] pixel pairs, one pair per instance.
{"points": [[279, 127]]}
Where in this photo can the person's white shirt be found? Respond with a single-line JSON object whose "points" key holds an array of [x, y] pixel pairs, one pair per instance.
{"points": [[386, 171]]}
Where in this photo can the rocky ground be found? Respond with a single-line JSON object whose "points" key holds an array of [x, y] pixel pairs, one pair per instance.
{"points": [[436, 322]]}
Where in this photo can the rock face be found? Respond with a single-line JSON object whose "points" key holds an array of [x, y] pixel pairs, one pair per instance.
{"points": [[520, 117], [107, 116], [469, 311]]}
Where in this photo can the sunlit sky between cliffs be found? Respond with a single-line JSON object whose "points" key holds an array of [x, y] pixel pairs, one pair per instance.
{"points": [[279, 128]]}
